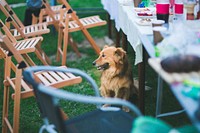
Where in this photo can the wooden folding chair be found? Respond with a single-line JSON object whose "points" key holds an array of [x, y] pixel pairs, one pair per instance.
{"points": [[26, 46], [72, 24], [51, 15], [21, 89], [20, 30]]}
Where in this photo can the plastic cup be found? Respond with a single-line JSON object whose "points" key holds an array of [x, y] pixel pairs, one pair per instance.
{"points": [[157, 34]]}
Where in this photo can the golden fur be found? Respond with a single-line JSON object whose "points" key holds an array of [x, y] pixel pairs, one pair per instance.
{"points": [[116, 76]]}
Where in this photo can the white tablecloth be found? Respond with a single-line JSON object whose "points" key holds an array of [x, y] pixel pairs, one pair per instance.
{"points": [[125, 19]]}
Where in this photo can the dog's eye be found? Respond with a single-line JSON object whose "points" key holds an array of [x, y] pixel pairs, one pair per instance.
{"points": [[103, 55]]}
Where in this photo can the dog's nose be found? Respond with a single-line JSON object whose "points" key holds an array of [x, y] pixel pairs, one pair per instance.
{"points": [[94, 63]]}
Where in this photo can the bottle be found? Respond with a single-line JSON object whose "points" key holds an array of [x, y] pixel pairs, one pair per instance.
{"points": [[146, 3], [162, 10], [178, 10], [189, 6]]}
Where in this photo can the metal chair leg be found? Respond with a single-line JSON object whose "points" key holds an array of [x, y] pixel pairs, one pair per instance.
{"points": [[159, 96], [159, 101]]}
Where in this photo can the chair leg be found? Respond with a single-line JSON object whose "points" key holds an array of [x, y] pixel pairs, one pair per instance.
{"points": [[29, 60], [60, 38], [17, 100], [7, 72], [74, 46], [5, 109], [91, 40], [35, 19], [42, 55], [159, 97], [65, 44]]}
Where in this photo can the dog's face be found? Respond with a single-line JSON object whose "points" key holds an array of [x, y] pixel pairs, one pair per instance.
{"points": [[110, 58]]}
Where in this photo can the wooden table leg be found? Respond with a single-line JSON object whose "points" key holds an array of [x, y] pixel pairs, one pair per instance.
{"points": [[141, 73], [109, 26], [117, 38], [124, 41]]}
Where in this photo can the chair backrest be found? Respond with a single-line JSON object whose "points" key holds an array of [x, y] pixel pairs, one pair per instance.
{"points": [[51, 13], [67, 8], [48, 98], [9, 13], [65, 3], [73, 13]]}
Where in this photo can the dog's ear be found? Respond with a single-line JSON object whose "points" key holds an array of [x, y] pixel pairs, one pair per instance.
{"points": [[105, 46], [120, 55], [120, 52]]}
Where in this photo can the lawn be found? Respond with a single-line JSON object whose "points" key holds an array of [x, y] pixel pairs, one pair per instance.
{"points": [[30, 120]]}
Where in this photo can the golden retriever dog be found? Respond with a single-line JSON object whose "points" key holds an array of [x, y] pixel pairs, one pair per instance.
{"points": [[116, 74]]}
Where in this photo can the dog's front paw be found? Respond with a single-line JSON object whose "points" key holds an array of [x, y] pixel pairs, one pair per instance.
{"points": [[106, 105], [126, 109]]}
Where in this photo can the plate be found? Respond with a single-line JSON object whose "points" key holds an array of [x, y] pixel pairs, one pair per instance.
{"points": [[145, 12], [144, 22]]}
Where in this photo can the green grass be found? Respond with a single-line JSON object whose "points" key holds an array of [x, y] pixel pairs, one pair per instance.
{"points": [[30, 120]]}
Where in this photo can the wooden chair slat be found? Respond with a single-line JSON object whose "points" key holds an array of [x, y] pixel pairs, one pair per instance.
{"points": [[70, 75], [62, 75], [55, 75], [24, 44], [43, 79], [3, 3], [31, 44], [18, 44], [49, 77], [25, 86]]}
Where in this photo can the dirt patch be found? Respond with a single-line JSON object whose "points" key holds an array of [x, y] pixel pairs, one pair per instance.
{"points": [[101, 42]]}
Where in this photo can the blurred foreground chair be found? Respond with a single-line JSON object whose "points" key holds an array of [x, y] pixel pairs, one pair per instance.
{"points": [[70, 22], [101, 120], [20, 30], [20, 88]]}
